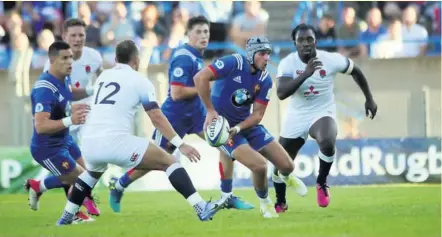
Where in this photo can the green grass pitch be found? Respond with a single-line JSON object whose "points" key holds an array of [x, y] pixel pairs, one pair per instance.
{"points": [[359, 211]]}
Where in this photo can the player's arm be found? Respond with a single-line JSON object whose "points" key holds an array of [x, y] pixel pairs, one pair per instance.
{"points": [[148, 99], [42, 104], [181, 72], [259, 107], [287, 85], [219, 69]]}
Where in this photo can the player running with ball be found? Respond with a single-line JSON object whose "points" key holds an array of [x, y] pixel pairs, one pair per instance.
{"points": [[241, 82], [307, 77], [185, 112]]}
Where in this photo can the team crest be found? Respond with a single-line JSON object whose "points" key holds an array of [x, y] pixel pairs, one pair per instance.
{"points": [[257, 88], [219, 64], [230, 142], [65, 165], [178, 72], [134, 157], [322, 73], [87, 69], [38, 108]]}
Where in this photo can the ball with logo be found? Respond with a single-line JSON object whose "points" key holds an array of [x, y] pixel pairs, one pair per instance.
{"points": [[217, 133]]}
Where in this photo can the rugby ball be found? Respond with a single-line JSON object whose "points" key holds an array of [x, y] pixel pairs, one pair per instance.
{"points": [[217, 133]]}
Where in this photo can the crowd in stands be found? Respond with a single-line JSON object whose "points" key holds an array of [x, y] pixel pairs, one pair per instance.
{"points": [[161, 26]]}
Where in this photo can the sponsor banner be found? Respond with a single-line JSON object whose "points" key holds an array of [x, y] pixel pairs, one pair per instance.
{"points": [[358, 162]]}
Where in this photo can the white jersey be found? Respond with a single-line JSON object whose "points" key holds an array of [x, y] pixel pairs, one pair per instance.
{"points": [[83, 70], [316, 93], [118, 93]]}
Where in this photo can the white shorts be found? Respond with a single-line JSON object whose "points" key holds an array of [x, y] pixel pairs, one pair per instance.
{"points": [[297, 125], [125, 151], [75, 131]]}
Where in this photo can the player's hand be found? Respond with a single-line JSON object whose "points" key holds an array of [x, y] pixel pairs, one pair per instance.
{"points": [[79, 116], [232, 133], [312, 65], [371, 108], [210, 117], [190, 152]]}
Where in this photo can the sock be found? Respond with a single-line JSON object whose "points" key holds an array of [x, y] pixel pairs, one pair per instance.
{"points": [[66, 189], [263, 195], [280, 189], [50, 182], [226, 185], [80, 190], [123, 182], [180, 180], [325, 163], [197, 202]]}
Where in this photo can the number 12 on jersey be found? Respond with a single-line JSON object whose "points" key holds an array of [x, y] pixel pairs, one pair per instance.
{"points": [[107, 99]]}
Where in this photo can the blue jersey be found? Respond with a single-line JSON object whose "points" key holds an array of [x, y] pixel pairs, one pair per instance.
{"points": [[236, 88], [52, 96], [186, 62]]}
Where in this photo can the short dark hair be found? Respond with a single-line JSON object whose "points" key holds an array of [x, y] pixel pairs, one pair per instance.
{"points": [[72, 22], [125, 51], [327, 17], [56, 47], [302, 26], [196, 20]]}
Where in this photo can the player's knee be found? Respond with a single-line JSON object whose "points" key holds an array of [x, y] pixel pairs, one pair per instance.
{"points": [[259, 167], [287, 167], [327, 146]]}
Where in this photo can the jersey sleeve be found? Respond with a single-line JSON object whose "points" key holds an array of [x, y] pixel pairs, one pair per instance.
{"points": [[46, 67], [42, 99], [342, 64], [147, 94], [265, 92], [284, 69], [181, 68], [224, 66]]}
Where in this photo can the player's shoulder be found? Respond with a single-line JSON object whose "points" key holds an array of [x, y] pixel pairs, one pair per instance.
{"points": [[329, 56], [265, 76], [183, 54], [233, 60], [43, 84], [91, 54]]}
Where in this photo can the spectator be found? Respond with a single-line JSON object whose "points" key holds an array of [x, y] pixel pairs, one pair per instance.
{"points": [[150, 25], [118, 28], [15, 37], [92, 27], [413, 31], [349, 30], [326, 32], [253, 21], [373, 31], [390, 45], [40, 56], [177, 36]]}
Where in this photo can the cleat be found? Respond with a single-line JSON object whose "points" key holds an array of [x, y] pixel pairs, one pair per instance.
{"points": [[114, 195], [33, 188], [236, 203], [297, 184], [211, 209], [66, 219], [281, 207], [268, 210], [323, 195], [90, 204], [81, 217]]}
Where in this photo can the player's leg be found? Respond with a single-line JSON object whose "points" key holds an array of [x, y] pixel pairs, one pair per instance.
{"points": [[324, 131], [226, 173], [64, 172], [74, 151], [117, 185], [242, 152], [260, 139], [292, 146], [156, 158]]}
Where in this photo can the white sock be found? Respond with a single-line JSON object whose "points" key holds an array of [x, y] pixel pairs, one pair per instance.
{"points": [[266, 200], [226, 195], [284, 178], [42, 186], [197, 202], [71, 208], [118, 186]]}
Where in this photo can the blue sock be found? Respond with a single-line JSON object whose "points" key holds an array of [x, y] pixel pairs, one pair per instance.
{"points": [[262, 193], [52, 182], [226, 185], [125, 180]]}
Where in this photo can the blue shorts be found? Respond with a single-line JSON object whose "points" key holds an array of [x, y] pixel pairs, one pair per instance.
{"points": [[189, 125], [257, 137], [58, 160]]}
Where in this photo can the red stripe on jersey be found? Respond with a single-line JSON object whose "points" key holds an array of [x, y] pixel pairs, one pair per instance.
{"points": [[175, 83], [213, 70], [261, 102]]}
